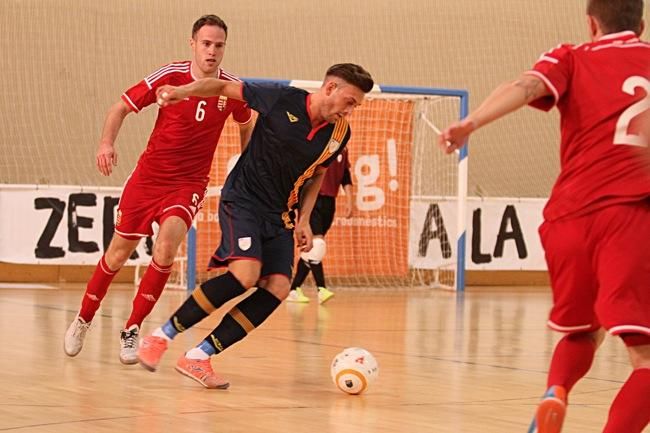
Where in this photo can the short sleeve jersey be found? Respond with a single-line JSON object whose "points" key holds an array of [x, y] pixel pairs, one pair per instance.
{"points": [[335, 175], [601, 90], [283, 153], [185, 136]]}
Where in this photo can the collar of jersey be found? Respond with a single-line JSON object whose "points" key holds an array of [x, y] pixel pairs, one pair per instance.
{"points": [[314, 129], [219, 71], [627, 34]]}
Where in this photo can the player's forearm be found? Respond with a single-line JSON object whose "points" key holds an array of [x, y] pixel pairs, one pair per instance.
{"points": [[308, 202], [245, 132], [347, 189], [507, 98], [113, 122], [309, 195], [206, 87]]}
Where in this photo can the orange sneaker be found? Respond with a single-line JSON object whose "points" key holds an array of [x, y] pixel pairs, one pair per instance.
{"points": [[201, 371], [150, 351], [550, 412]]}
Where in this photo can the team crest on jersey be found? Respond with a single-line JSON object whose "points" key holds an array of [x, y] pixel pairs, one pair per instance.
{"points": [[333, 145], [221, 104], [244, 243]]}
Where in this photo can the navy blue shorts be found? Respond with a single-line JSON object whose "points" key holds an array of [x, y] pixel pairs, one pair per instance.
{"points": [[322, 215], [246, 235]]}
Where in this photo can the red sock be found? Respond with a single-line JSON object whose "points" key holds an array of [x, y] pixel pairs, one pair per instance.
{"points": [[572, 359], [152, 284], [96, 289], [630, 411]]}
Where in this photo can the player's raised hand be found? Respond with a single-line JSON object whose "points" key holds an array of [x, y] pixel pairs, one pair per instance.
{"points": [[304, 236], [168, 95], [106, 158], [455, 136]]}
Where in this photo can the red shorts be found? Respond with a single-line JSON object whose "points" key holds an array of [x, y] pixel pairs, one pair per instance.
{"points": [[599, 266], [142, 203]]}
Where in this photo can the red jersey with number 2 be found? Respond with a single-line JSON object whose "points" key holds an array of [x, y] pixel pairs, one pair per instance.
{"points": [[185, 136], [601, 90]]}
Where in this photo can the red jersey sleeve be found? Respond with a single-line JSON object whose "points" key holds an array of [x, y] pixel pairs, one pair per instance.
{"points": [[139, 96], [144, 93], [555, 69]]}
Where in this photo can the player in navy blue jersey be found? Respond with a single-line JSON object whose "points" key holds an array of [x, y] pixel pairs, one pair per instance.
{"points": [[269, 194]]}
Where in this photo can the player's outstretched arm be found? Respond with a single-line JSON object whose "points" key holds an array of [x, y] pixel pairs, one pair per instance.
{"points": [[505, 99], [203, 88], [106, 156]]}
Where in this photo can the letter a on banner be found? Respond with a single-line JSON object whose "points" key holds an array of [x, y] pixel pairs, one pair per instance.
{"points": [[427, 234]]}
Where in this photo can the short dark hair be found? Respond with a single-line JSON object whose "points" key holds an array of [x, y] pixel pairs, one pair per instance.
{"points": [[209, 20], [617, 15], [352, 74]]}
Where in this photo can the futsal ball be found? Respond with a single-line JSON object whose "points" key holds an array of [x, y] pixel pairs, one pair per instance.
{"points": [[353, 370]]}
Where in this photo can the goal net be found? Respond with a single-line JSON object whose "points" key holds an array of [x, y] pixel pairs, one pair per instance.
{"points": [[407, 223]]}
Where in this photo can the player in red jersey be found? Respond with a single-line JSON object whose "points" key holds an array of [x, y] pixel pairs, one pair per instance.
{"points": [[169, 182], [336, 176], [597, 220]]}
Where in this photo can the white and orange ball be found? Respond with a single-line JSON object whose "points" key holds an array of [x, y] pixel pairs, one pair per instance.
{"points": [[353, 370]]}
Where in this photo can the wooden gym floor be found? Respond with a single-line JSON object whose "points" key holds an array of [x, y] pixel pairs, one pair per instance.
{"points": [[447, 364]]}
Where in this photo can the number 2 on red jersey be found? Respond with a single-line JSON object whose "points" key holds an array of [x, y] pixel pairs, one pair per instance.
{"points": [[622, 134]]}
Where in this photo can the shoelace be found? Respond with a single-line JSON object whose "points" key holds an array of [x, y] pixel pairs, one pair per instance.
{"points": [[81, 329], [204, 369], [129, 339]]}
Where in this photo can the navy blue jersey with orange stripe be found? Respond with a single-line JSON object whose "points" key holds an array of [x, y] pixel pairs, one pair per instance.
{"points": [[283, 153]]}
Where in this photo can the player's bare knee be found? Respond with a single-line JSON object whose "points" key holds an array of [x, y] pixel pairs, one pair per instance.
{"points": [[638, 347], [639, 358], [164, 258], [249, 283], [164, 252], [598, 336], [247, 280], [247, 272], [117, 257], [279, 286], [119, 251]]}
